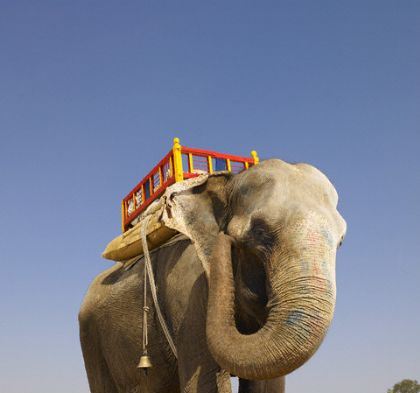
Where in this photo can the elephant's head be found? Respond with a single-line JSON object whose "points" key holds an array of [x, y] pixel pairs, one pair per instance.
{"points": [[269, 235]]}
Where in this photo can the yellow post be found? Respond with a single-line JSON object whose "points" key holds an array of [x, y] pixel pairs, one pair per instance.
{"points": [[171, 167], [246, 165], [178, 171], [143, 194], [228, 166], [160, 177], [151, 186], [210, 164], [255, 157], [191, 162], [122, 216]]}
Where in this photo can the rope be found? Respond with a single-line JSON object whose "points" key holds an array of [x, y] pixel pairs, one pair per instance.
{"points": [[148, 269], [145, 312]]}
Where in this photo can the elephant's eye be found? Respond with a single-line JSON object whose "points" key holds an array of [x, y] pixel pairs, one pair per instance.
{"points": [[258, 228], [261, 233]]}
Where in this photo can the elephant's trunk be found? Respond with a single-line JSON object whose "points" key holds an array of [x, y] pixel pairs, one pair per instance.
{"points": [[300, 308]]}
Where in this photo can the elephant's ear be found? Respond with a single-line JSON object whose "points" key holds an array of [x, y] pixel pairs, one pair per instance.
{"points": [[198, 209]]}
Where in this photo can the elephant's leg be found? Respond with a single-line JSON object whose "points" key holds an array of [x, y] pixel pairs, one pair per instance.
{"points": [[198, 372], [276, 385], [99, 377], [202, 380]]}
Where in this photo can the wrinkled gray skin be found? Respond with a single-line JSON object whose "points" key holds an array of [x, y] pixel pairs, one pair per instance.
{"points": [[257, 304]]}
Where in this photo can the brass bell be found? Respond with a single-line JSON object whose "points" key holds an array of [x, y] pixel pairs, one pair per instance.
{"points": [[144, 362]]}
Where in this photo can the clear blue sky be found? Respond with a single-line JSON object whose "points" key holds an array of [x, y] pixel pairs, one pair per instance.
{"points": [[91, 95]]}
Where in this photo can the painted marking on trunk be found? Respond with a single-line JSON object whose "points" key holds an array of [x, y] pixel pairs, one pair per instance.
{"points": [[305, 266], [328, 237], [294, 317]]}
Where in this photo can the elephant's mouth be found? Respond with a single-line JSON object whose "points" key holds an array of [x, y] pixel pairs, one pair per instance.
{"points": [[251, 289]]}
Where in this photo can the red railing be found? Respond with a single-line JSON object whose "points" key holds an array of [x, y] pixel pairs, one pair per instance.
{"points": [[144, 193], [179, 164], [198, 161]]}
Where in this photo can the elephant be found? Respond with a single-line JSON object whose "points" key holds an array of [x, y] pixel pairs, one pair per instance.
{"points": [[249, 292]]}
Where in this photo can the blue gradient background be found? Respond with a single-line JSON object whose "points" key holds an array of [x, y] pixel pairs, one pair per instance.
{"points": [[91, 95]]}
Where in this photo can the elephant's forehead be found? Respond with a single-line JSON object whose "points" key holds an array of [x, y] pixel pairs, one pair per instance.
{"points": [[275, 184], [302, 181], [252, 192]]}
